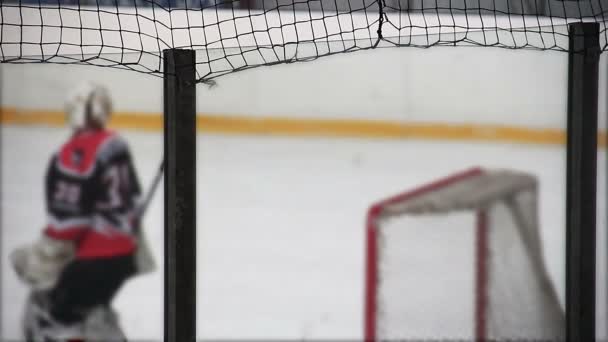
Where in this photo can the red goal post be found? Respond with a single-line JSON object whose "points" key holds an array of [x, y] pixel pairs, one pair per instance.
{"points": [[499, 208]]}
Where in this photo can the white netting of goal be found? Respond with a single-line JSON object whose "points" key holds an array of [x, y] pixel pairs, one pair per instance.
{"points": [[460, 258]]}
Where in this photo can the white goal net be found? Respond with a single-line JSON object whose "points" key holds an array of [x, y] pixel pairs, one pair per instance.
{"points": [[460, 258]]}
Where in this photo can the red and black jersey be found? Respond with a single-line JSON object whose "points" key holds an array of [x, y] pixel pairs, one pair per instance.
{"points": [[91, 193]]}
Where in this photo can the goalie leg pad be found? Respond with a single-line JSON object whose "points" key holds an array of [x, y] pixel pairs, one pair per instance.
{"points": [[39, 325], [100, 324]]}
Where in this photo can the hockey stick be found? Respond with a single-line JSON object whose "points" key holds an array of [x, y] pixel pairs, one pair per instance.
{"points": [[141, 210]]}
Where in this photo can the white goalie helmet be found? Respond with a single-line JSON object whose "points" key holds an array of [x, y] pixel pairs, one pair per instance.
{"points": [[88, 105]]}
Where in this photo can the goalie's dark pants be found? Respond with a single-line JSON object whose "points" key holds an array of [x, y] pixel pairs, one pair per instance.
{"points": [[88, 283]]}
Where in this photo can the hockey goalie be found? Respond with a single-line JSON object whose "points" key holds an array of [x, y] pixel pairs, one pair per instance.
{"points": [[91, 242]]}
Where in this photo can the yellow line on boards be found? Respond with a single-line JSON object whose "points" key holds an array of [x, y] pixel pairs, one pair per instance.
{"points": [[312, 127]]}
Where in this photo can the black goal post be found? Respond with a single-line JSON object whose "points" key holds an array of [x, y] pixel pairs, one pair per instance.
{"points": [[581, 183], [180, 195]]}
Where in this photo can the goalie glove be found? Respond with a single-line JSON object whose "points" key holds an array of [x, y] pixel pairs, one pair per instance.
{"points": [[40, 264], [144, 259]]}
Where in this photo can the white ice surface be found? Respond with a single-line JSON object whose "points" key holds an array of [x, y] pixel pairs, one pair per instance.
{"points": [[280, 224]]}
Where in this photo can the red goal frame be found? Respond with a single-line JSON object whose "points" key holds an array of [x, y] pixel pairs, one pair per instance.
{"points": [[371, 262]]}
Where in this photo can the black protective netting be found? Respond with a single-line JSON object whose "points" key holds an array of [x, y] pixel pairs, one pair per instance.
{"points": [[236, 35]]}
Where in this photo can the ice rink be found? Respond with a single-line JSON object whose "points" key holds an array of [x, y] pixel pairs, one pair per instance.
{"points": [[280, 224]]}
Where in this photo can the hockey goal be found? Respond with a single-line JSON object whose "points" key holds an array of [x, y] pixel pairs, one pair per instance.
{"points": [[460, 258]]}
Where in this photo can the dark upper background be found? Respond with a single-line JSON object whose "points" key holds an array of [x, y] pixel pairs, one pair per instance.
{"points": [[553, 8]]}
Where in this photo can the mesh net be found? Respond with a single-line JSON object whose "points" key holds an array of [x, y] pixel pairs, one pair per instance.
{"points": [[521, 302], [464, 262], [419, 296], [237, 35]]}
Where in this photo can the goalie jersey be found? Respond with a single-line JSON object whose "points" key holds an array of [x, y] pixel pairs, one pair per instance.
{"points": [[91, 193]]}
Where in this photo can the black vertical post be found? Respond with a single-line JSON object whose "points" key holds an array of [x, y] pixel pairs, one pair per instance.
{"points": [[180, 195], [581, 181]]}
